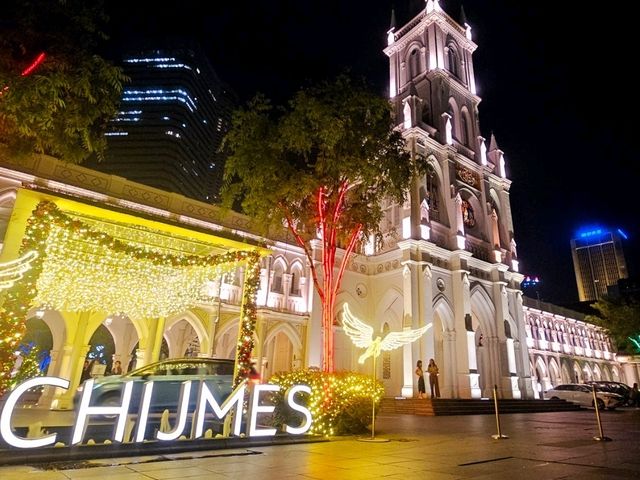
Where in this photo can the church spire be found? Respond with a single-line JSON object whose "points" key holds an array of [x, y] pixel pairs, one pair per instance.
{"points": [[465, 23], [463, 17], [493, 144], [392, 27]]}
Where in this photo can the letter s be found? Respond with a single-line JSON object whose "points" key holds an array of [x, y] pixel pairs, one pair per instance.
{"points": [[306, 425]]}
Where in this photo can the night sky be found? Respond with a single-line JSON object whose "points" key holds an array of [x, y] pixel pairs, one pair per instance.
{"points": [[555, 79]]}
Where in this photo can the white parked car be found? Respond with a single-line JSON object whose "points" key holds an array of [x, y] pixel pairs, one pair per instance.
{"points": [[582, 395]]}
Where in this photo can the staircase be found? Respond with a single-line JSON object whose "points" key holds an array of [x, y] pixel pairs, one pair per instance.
{"points": [[454, 406]]}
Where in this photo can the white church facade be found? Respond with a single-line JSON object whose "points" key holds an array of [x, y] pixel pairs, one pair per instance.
{"points": [[449, 259]]}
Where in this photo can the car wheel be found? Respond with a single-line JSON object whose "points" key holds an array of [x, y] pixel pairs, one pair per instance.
{"points": [[555, 398], [600, 404]]}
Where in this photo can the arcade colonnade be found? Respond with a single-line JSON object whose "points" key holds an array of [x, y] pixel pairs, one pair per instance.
{"points": [[563, 348]]}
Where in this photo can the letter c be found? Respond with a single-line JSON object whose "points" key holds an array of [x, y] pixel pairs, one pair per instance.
{"points": [[12, 399]]}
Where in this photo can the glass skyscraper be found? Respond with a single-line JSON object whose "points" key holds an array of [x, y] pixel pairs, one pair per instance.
{"points": [[173, 115], [598, 261]]}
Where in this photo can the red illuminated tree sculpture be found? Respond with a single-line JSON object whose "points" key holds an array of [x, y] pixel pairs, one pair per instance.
{"points": [[321, 167]]}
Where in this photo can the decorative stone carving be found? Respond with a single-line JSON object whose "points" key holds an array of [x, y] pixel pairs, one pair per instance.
{"points": [[467, 176]]}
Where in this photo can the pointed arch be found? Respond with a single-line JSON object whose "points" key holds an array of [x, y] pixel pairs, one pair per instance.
{"points": [[483, 309], [289, 331], [432, 191], [195, 322], [280, 267], [297, 271], [466, 127], [390, 308], [453, 57], [554, 372], [443, 309], [413, 61]]}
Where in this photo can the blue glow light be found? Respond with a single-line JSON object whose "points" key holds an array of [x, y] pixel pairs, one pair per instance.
{"points": [[624, 235], [592, 233]]}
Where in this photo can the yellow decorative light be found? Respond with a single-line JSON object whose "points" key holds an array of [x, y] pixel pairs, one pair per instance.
{"points": [[11, 272], [79, 268], [334, 396]]}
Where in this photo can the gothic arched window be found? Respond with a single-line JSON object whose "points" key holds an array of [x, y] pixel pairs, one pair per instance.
{"points": [[433, 196], [414, 63], [452, 58], [464, 129]]}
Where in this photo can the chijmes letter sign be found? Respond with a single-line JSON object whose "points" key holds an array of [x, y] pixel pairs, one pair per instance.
{"points": [[233, 405]]}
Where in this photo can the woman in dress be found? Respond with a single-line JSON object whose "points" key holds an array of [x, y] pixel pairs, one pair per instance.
{"points": [[422, 391], [433, 371]]}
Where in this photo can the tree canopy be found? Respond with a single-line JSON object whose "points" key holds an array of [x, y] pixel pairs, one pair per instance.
{"points": [[320, 165], [621, 318], [327, 135], [56, 94]]}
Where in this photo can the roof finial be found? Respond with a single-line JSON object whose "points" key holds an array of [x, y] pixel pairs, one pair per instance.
{"points": [[392, 25], [463, 17], [390, 36], [493, 144], [465, 23]]}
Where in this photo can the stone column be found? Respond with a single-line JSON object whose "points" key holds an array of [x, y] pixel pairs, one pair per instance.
{"points": [[466, 365], [154, 342], [410, 320]]}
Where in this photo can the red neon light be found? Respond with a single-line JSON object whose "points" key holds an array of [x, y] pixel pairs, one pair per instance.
{"points": [[39, 59]]}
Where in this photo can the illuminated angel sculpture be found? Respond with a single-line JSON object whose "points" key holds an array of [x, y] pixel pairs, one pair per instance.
{"points": [[11, 272], [361, 335]]}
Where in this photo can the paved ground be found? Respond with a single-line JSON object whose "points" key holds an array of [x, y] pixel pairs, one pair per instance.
{"points": [[541, 446]]}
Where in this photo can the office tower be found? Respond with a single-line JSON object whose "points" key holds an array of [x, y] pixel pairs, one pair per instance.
{"points": [[173, 116], [598, 261]]}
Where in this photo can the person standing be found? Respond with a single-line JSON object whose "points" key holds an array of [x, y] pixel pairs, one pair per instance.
{"points": [[117, 368], [86, 370], [433, 371], [422, 391]]}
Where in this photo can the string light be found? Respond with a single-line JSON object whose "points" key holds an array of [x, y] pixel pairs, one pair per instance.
{"points": [[333, 396], [79, 268], [29, 70]]}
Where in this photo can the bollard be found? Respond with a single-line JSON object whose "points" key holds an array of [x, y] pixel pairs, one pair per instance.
{"points": [[600, 438], [499, 435]]}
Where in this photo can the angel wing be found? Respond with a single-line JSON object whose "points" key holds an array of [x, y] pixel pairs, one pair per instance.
{"points": [[394, 340], [12, 271], [359, 332]]}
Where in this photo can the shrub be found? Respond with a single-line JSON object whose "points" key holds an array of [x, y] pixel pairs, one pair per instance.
{"points": [[340, 402]]}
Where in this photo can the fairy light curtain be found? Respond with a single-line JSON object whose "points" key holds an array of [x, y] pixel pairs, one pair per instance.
{"points": [[79, 268]]}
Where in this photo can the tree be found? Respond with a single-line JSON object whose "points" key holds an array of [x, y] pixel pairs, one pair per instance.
{"points": [[321, 166], [621, 318], [56, 95]]}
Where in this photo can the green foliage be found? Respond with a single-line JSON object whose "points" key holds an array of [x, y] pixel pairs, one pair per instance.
{"points": [[63, 107], [340, 402], [328, 135], [30, 366], [621, 318]]}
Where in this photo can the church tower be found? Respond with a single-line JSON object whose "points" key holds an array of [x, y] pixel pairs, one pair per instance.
{"points": [[450, 248], [464, 201]]}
